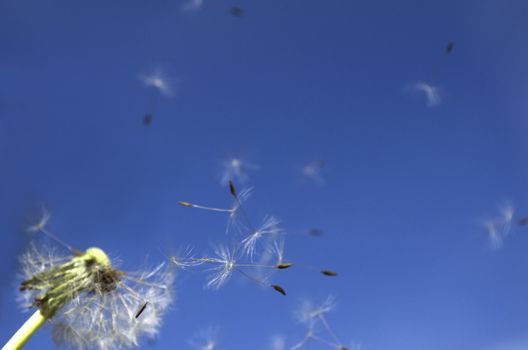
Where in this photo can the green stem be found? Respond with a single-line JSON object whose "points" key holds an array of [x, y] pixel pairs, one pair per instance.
{"points": [[19, 339]]}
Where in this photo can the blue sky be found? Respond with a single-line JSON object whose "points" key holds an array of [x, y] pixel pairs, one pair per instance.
{"points": [[290, 82]]}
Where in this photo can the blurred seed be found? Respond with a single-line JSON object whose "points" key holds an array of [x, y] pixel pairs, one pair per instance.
{"points": [[344, 348], [232, 189], [315, 232], [284, 266], [329, 273], [236, 11], [523, 221], [147, 119], [140, 311], [278, 289], [185, 204], [449, 47]]}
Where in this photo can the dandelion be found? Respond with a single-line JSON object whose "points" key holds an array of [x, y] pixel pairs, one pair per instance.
{"points": [[432, 93], [312, 171], [88, 301], [205, 339], [236, 169]]}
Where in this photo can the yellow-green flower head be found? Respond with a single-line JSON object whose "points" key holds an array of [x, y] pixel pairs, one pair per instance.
{"points": [[90, 303]]}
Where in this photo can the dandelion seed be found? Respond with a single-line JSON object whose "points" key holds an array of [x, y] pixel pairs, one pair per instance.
{"points": [[279, 289], [523, 221], [269, 227], [449, 47], [284, 266], [232, 189], [432, 93], [234, 211], [498, 228], [236, 169], [147, 119], [140, 311], [236, 11], [312, 315], [329, 273], [184, 259], [41, 226], [158, 80], [161, 85], [312, 171], [41, 223], [90, 303], [308, 312], [315, 232], [226, 264]]}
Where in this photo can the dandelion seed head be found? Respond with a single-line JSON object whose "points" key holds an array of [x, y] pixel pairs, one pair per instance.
{"points": [[225, 264], [269, 227], [91, 304]]}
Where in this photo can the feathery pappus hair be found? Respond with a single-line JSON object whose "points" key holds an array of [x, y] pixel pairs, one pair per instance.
{"points": [[499, 227], [236, 169], [91, 304], [431, 92]]}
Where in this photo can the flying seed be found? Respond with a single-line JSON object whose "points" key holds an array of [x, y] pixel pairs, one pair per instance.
{"points": [[278, 289], [449, 47], [185, 204], [140, 311], [329, 273], [147, 119], [316, 232], [237, 11], [523, 221], [232, 189], [284, 266]]}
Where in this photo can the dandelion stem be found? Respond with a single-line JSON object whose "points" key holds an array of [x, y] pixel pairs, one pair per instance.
{"points": [[20, 338]]}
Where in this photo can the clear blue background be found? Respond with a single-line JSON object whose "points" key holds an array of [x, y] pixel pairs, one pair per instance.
{"points": [[289, 82]]}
